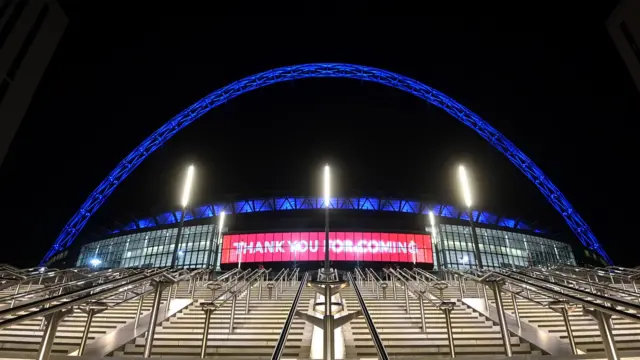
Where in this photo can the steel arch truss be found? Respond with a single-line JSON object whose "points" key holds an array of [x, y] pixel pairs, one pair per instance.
{"points": [[325, 70]]}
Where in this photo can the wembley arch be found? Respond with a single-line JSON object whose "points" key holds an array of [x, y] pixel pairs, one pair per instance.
{"points": [[324, 70]]}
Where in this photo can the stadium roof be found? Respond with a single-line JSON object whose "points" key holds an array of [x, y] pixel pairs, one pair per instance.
{"points": [[310, 203]]}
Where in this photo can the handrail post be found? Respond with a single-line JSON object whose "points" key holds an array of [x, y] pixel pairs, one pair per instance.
{"points": [[208, 308], [460, 286], [155, 308], [13, 301], [90, 310], [406, 297], [515, 308], [446, 308], [486, 299], [49, 334], [248, 301], [564, 308], [423, 322], [138, 312], [260, 287], [393, 284], [169, 296], [329, 345], [233, 310], [384, 290], [496, 284], [606, 332]]}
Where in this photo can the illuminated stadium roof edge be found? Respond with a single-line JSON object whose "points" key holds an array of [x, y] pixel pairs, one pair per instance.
{"points": [[311, 203]]}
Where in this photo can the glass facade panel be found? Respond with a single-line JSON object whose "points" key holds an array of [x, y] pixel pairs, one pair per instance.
{"points": [[453, 248], [499, 249], [152, 249]]}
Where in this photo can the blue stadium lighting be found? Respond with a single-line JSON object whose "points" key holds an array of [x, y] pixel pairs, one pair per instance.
{"points": [[324, 70]]}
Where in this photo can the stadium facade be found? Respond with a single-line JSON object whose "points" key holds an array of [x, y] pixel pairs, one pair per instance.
{"points": [[372, 231]]}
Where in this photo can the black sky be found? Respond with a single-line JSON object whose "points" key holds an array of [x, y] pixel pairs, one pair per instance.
{"points": [[553, 84]]}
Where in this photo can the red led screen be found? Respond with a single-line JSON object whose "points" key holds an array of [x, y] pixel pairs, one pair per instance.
{"points": [[343, 246]]}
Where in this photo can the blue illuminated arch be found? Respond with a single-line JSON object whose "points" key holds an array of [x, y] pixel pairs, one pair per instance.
{"points": [[325, 70]]}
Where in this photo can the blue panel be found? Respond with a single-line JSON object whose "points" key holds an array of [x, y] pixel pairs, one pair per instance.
{"points": [[523, 226], [487, 218], [304, 203], [449, 211], [220, 208], [262, 205], [166, 219], [410, 206], [243, 207], [504, 222], [325, 70], [204, 212], [368, 204], [390, 205], [284, 204], [464, 215], [188, 215], [436, 209], [130, 226], [145, 223], [351, 203]]}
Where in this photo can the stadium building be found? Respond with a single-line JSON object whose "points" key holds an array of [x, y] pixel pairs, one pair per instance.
{"points": [[372, 231]]}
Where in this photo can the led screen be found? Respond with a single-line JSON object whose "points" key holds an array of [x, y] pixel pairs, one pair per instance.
{"points": [[343, 246]]}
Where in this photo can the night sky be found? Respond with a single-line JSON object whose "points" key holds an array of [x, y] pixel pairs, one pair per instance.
{"points": [[553, 84]]}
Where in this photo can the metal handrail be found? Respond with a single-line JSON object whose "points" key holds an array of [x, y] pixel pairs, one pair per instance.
{"points": [[236, 292], [378, 283], [222, 277], [46, 301], [377, 342], [576, 279], [427, 286], [280, 275], [415, 292], [279, 348], [606, 272], [584, 302], [293, 274], [507, 290], [427, 274], [360, 273], [53, 287], [559, 294], [99, 294]]}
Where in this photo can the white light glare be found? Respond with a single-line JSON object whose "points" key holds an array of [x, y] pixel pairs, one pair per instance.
{"points": [[180, 252], [327, 185], [95, 262], [187, 187], [432, 220], [221, 224], [464, 182], [42, 269]]}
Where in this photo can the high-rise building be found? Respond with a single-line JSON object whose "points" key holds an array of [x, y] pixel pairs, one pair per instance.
{"points": [[29, 34], [624, 28]]}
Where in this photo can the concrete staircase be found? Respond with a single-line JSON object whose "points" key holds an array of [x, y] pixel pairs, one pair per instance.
{"points": [[402, 334], [254, 335], [23, 340], [585, 329]]}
